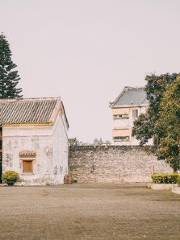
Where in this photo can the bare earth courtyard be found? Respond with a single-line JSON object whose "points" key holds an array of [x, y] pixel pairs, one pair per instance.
{"points": [[101, 211]]}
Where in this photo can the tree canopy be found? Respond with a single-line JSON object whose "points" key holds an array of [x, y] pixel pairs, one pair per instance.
{"points": [[168, 125], [9, 77], [162, 119], [144, 126]]}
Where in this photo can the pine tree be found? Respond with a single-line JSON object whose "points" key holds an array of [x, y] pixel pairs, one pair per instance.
{"points": [[9, 77]]}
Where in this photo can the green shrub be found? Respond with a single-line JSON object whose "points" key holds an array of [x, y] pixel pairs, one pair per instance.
{"points": [[10, 177], [178, 180], [165, 177], [74, 180]]}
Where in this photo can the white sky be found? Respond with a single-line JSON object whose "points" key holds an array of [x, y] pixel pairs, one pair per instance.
{"points": [[86, 51]]}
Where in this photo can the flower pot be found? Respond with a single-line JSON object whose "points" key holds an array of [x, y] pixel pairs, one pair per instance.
{"points": [[68, 179]]}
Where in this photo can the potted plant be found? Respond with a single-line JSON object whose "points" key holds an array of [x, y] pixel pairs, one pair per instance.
{"points": [[68, 179], [10, 177]]}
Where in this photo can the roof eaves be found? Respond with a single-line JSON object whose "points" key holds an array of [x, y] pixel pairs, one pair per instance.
{"points": [[130, 105], [59, 107], [26, 124]]}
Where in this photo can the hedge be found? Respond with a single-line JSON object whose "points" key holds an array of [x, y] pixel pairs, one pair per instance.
{"points": [[178, 180], [165, 177]]}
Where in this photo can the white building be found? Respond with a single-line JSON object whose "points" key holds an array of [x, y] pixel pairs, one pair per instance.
{"points": [[34, 139], [125, 110]]}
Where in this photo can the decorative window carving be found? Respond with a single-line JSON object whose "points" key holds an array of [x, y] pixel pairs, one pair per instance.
{"points": [[28, 154]]}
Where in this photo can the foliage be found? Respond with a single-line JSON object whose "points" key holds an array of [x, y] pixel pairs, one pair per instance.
{"points": [[168, 125], [156, 85], [9, 77], [144, 126], [100, 141], [73, 141], [145, 132], [96, 142], [162, 120], [10, 177], [178, 180], [165, 177]]}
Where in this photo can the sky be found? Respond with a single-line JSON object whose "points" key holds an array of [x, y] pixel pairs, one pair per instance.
{"points": [[86, 51]]}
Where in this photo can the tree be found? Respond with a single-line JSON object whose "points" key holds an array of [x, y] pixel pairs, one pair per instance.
{"points": [[9, 77], [145, 125], [98, 141], [143, 128], [74, 142], [168, 125], [162, 120]]}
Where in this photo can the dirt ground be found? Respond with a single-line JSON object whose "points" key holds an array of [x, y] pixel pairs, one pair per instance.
{"points": [[88, 212]]}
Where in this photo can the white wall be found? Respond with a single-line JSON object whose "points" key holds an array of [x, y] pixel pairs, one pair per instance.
{"points": [[128, 124], [50, 144], [121, 123], [60, 150]]}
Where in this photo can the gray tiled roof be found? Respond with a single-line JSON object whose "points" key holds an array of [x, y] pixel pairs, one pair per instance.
{"points": [[131, 96], [37, 110]]}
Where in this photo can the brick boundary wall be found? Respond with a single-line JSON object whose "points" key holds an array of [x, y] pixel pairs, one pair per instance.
{"points": [[117, 164]]}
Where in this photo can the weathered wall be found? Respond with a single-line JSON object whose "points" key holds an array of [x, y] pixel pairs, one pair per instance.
{"points": [[60, 149], [114, 164], [50, 144]]}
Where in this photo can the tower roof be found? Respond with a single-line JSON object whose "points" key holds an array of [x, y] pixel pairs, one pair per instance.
{"points": [[131, 96]]}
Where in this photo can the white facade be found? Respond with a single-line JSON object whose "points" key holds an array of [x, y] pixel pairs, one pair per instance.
{"points": [[42, 147], [126, 108], [122, 126]]}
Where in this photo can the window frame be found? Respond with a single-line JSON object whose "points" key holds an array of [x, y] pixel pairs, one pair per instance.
{"points": [[121, 116], [121, 139], [32, 167], [30, 156], [135, 116]]}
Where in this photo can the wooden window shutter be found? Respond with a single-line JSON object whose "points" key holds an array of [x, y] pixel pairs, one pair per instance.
{"points": [[27, 166]]}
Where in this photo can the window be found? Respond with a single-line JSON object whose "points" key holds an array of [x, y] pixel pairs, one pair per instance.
{"points": [[27, 159], [27, 166], [121, 139], [121, 116], [135, 114]]}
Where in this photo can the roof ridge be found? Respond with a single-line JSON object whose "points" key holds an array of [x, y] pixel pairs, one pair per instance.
{"points": [[8, 100], [39, 98], [129, 87]]}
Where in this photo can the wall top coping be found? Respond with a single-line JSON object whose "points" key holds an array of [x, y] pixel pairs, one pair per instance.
{"points": [[108, 147]]}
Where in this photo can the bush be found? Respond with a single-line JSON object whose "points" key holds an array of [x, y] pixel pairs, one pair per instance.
{"points": [[178, 181], [10, 177], [165, 177]]}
